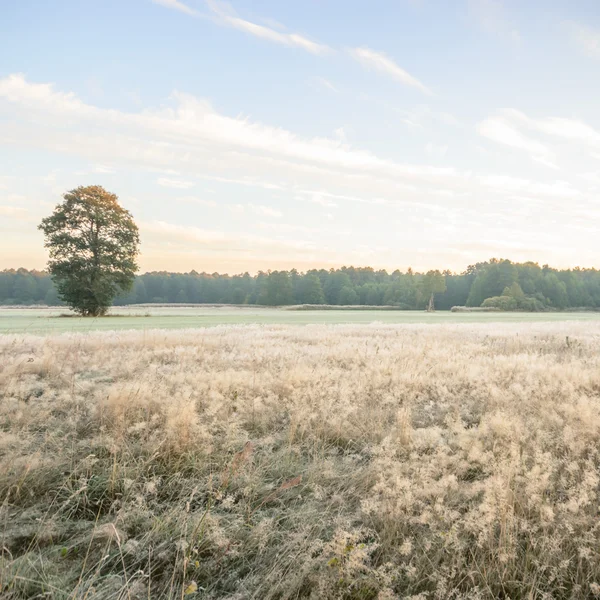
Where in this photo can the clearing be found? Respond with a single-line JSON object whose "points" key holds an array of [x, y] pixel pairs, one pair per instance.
{"points": [[46, 320]]}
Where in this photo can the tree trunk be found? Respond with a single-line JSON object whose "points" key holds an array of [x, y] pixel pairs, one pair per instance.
{"points": [[430, 306]]}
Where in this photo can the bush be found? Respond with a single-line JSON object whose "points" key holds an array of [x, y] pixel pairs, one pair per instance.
{"points": [[500, 302], [504, 302], [532, 305]]}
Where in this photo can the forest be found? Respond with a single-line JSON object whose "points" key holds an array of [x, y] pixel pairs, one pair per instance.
{"points": [[497, 283]]}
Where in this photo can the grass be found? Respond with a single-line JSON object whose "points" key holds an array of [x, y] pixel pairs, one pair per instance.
{"points": [[343, 462], [43, 320]]}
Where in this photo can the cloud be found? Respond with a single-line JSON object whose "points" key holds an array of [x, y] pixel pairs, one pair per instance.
{"points": [[586, 38], [569, 129], [500, 130], [286, 39], [545, 162], [258, 209], [265, 211], [236, 209], [227, 16], [378, 61], [231, 242], [198, 201], [176, 5], [194, 122], [325, 83], [286, 228], [519, 185], [438, 150], [4, 180], [190, 137], [103, 169], [321, 198], [421, 116], [592, 177], [506, 128], [248, 181], [341, 134], [188, 141], [16, 89], [14, 212], [177, 184]]}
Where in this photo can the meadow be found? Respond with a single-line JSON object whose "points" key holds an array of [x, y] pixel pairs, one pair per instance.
{"points": [[378, 461], [142, 317]]}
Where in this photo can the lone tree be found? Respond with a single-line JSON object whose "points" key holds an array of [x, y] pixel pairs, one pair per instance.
{"points": [[93, 243]]}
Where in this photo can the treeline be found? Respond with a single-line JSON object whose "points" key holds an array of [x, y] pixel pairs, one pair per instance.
{"points": [[499, 283]]}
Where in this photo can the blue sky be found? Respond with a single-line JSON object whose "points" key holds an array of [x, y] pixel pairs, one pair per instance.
{"points": [[264, 134]]}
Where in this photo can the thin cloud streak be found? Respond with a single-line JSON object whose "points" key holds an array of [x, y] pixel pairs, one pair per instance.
{"points": [[231, 19], [501, 131], [378, 61], [176, 5], [177, 184]]}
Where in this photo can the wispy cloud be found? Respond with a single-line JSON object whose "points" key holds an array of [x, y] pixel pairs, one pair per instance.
{"points": [[236, 209], [227, 16], [378, 61], [507, 128], [317, 197], [568, 129], [193, 138], [14, 212], [325, 83], [545, 162], [104, 169], [4, 180], [519, 185], [258, 209], [341, 134], [587, 38], [438, 150], [198, 201], [287, 228], [231, 242], [176, 5], [195, 119], [500, 130], [177, 184], [265, 211]]}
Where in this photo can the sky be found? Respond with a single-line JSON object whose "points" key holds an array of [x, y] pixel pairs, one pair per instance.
{"points": [[262, 134]]}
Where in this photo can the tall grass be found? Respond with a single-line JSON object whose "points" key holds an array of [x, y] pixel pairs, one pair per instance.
{"points": [[355, 462]]}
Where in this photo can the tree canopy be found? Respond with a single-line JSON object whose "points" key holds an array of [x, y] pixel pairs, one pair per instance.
{"points": [[93, 243], [511, 286]]}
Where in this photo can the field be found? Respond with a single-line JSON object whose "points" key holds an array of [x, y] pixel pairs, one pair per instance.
{"points": [[343, 462], [48, 320]]}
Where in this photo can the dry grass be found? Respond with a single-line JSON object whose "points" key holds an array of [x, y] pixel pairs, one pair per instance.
{"points": [[357, 462]]}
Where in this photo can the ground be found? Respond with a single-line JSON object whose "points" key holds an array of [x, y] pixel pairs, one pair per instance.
{"points": [[43, 320], [423, 461]]}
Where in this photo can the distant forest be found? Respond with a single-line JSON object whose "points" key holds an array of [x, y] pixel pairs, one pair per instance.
{"points": [[496, 283]]}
